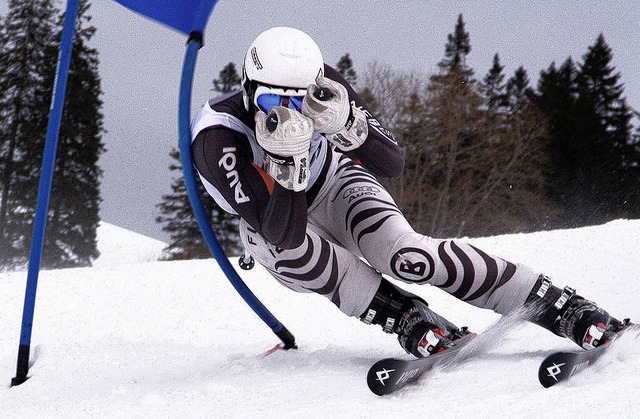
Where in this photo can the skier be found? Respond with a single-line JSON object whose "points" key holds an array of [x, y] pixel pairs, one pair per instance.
{"points": [[294, 153]]}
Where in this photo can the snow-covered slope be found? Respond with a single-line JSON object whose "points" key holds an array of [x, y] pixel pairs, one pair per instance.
{"points": [[119, 246], [173, 339]]}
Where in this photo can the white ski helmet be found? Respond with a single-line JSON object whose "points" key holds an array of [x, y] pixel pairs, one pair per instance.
{"points": [[281, 58]]}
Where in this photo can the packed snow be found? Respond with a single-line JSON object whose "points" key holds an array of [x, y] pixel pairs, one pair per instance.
{"points": [[132, 337]]}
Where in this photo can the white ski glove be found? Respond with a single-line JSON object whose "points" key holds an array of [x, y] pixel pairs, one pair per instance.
{"points": [[327, 103], [285, 134]]}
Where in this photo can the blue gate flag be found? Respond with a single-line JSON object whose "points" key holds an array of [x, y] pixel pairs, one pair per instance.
{"points": [[186, 16]]}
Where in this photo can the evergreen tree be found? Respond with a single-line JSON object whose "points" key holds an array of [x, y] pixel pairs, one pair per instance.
{"points": [[187, 241], [594, 158], [493, 85], [456, 50], [28, 42], [176, 212], [519, 93], [31, 44], [228, 79], [75, 202], [607, 132], [345, 67], [556, 99]]}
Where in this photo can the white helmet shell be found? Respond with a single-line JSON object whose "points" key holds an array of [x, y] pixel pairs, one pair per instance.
{"points": [[281, 57]]}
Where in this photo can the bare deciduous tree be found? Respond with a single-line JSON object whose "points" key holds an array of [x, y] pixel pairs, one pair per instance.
{"points": [[469, 170]]}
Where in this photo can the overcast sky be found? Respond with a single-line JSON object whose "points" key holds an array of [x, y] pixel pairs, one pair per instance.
{"points": [[141, 62]]}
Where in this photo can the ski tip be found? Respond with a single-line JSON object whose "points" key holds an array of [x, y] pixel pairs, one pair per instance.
{"points": [[376, 382], [555, 368], [382, 376]]}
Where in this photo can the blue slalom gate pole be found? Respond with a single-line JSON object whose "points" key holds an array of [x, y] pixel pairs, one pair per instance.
{"points": [[184, 111], [44, 189]]}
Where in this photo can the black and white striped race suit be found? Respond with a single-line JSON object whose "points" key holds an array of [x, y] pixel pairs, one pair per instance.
{"points": [[344, 231]]}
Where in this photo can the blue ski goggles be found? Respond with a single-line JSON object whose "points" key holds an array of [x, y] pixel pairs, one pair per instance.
{"points": [[266, 101], [266, 98]]}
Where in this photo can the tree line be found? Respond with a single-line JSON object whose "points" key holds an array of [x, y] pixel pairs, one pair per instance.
{"points": [[489, 155], [497, 155]]}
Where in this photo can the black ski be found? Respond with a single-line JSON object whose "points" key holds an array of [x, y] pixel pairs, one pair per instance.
{"points": [[391, 374], [561, 366]]}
